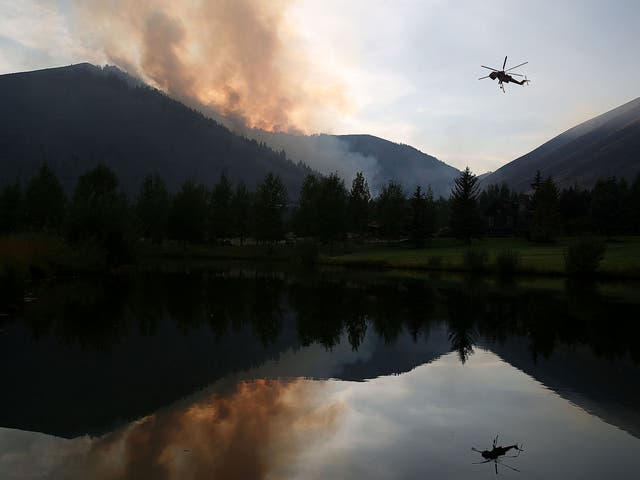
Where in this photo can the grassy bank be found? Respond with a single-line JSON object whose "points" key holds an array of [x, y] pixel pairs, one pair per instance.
{"points": [[29, 257], [621, 259]]}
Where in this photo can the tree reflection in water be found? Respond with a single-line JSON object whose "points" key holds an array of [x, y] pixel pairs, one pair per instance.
{"points": [[96, 314]]}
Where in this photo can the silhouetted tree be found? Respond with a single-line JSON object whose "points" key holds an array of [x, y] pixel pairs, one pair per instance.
{"points": [[465, 218], [270, 203], [608, 206], [188, 215], [220, 214], [421, 217], [574, 210], [537, 181], [545, 223], [331, 208], [44, 201], [499, 209], [152, 208], [391, 210], [11, 208], [359, 206], [305, 215], [240, 211], [100, 214]]}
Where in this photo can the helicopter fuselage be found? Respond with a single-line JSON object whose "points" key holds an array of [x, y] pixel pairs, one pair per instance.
{"points": [[501, 76]]}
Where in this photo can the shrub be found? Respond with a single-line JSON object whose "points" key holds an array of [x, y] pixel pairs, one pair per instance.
{"points": [[475, 259], [434, 262], [507, 262], [306, 253], [583, 256]]}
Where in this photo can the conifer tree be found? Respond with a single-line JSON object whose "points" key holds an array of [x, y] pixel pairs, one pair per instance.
{"points": [[359, 205], [269, 206], [464, 216], [545, 223], [241, 210], [152, 208], [220, 220], [44, 201], [391, 210]]}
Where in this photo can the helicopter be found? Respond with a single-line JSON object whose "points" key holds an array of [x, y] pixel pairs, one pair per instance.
{"points": [[504, 77], [498, 451]]}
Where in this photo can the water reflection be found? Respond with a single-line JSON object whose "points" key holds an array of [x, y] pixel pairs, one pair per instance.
{"points": [[110, 352], [419, 424]]}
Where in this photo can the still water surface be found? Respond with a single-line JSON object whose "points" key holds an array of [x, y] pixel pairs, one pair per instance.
{"points": [[254, 375]]}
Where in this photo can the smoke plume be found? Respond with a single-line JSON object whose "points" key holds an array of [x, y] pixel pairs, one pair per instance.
{"points": [[238, 57]]}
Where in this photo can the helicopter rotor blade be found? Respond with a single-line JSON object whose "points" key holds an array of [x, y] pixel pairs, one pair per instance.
{"points": [[517, 66], [481, 78], [516, 75], [489, 68], [505, 62]]}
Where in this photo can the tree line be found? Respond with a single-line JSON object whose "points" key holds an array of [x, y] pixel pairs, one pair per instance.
{"points": [[326, 210]]}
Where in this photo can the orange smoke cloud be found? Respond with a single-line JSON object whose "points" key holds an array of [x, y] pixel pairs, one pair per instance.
{"points": [[256, 431], [239, 57]]}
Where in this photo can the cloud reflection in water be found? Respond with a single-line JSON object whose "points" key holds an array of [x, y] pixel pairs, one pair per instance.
{"points": [[258, 429]]}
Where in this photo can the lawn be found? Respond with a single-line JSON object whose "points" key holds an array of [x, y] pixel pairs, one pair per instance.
{"points": [[622, 256]]}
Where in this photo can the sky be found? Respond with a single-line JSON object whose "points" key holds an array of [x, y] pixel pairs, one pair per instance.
{"points": [[403, 70]]}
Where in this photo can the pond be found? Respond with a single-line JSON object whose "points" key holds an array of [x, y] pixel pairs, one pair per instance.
{"points": [[260, 374]]}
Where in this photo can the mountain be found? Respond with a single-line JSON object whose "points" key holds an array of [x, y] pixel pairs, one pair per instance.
{"points": [[605, 146], [78, 116], [380, 160], [404, 164]]}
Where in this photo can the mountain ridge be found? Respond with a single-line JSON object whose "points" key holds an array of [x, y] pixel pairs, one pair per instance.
{"points": [[78, 116], [604, 146]]}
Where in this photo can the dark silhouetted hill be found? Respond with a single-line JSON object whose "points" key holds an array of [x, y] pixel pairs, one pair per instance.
{"points": [[78, 116], [605, 146]]}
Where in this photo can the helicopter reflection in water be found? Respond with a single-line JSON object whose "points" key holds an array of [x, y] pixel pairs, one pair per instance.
{"points": [[498, 451]]}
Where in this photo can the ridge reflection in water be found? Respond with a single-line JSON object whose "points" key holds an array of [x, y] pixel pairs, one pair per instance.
{"points": [[107, 352], [421, 423]]}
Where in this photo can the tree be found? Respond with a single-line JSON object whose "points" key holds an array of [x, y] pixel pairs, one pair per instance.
{"points": [[45, 201], [499, 209], [422, 216], [608, 205], [305, 215], [220, 220], [391, 210], [537, 181], [11, 208], [270, 203], [465, 219], [331, 208], [545, 223], [573, 204], [188, 215], [99, 214], [152, 208], [359, 205], [241, 211]]}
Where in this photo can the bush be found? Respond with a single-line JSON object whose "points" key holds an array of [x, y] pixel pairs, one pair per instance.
{"points": [[306, 253], [507, 262], [583, 256], [475, 259], [434, 262]]}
